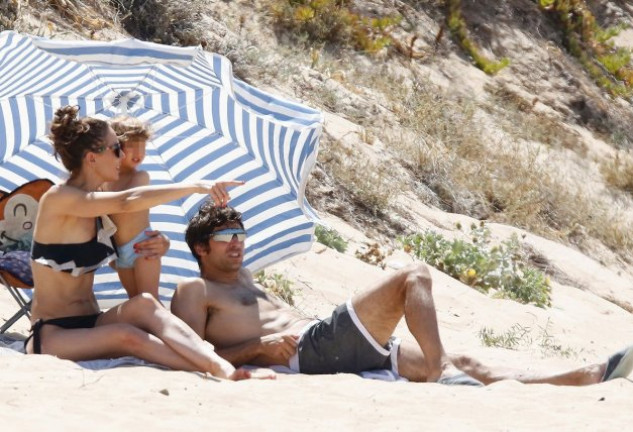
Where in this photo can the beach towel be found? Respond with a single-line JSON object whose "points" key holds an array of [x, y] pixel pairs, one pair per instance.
{"points": [[14, 345]]}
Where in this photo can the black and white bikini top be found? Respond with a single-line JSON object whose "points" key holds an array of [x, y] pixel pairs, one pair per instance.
{"points": [[79, 258]]}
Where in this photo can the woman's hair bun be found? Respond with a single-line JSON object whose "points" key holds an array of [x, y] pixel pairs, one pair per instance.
{"points": [[73, 136], [67, 126]]}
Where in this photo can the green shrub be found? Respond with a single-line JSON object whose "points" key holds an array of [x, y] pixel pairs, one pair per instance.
{"points": [[330, 238], [609, 67], [616, 60], [510, 339], [457, 26], [333, 22], [483, 266], [277, 285]]}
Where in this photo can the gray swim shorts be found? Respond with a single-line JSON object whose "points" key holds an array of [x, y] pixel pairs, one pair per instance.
{"points": [[342, 344]]}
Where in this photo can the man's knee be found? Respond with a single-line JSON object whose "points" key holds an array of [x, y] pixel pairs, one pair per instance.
{"points": [[417, 275]]}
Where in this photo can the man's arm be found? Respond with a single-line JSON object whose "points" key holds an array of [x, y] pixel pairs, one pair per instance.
{"points": [[189, 303], [269, 350], [241, 354]]}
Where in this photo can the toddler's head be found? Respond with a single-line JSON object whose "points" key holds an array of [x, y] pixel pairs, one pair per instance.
{"points": [[133, 135]]}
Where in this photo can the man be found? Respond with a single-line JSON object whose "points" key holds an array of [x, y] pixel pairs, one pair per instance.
{"points": [[249, 326]]}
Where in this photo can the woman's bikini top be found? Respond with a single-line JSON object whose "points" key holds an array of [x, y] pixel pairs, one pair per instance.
{"points": [[78, 258]]}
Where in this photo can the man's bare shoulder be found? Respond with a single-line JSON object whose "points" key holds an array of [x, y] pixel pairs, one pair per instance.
{"points": [[191, 282], [200, 291], [141, 178], [137, 178], [202, 285], [217, 293]]}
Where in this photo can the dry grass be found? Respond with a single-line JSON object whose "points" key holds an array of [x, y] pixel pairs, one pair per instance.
{"points": [[514, 180], [369, 184], [516, 116], [618, 172], [166, 22], [521, 178], [8, 14], [85, 16]]}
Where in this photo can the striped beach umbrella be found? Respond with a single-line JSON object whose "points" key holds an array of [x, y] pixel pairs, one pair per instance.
{"points": [[207, 125]]}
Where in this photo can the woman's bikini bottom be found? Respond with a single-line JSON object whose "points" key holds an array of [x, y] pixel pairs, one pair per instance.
{"points": [[71, 322]]}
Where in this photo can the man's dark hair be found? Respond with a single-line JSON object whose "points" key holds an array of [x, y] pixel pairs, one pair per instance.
{"points": [[208, 218]]}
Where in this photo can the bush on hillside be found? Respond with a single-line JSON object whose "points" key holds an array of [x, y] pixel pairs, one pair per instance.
{"points": [[333, 22], [610, 67], [277, 285], [482, 265], [457, 26]]}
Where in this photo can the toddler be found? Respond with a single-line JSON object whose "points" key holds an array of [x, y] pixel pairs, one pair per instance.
{"points": [[137, 274]]}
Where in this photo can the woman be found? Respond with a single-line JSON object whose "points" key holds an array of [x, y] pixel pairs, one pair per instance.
{"points": [[72, 239]]}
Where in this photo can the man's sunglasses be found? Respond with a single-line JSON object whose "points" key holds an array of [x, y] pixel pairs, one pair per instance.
{"points": [[116, 149], [228, 235]]}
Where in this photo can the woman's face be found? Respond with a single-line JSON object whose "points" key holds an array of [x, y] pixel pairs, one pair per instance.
{"points": [[108, 161]]}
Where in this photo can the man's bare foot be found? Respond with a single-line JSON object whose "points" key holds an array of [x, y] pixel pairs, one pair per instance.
{"points": [[460, 378], [450, 375], [619, 365]]}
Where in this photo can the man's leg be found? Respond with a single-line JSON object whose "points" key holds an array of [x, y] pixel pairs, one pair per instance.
{"points": [[407, 292], [410, 357], [586, 375]]}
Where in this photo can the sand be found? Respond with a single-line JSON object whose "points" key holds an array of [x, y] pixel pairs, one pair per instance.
{"points": [[46, 393]]}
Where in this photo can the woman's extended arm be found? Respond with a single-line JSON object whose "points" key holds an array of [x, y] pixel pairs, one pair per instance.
{"points": [[76, 202]]}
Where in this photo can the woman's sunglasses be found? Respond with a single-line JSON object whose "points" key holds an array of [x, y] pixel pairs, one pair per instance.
{"points": [[116, 149], [228, 235]]}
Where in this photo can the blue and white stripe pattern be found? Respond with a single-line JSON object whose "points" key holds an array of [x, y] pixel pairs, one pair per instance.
{"points": [[207, 124]]}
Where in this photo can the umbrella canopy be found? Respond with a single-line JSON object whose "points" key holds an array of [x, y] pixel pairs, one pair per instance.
{"points": [[207, 125]]}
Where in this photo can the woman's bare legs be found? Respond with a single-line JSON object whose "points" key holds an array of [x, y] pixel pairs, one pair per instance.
{"points": [[146, 313], [141, 327], [111, 341]]}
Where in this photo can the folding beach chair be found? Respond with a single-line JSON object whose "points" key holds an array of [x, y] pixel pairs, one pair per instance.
{"points": [[17, 221]]}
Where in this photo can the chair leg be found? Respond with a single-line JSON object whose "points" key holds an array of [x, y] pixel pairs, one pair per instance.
{"points": [[25, 309]]}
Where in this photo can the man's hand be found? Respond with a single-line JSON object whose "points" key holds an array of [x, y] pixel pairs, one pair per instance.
{"points": [[269, 350], [279, 346], [154, 247]]}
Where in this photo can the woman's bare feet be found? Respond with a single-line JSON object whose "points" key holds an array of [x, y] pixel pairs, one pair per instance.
{"points": [[258, 373]]}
